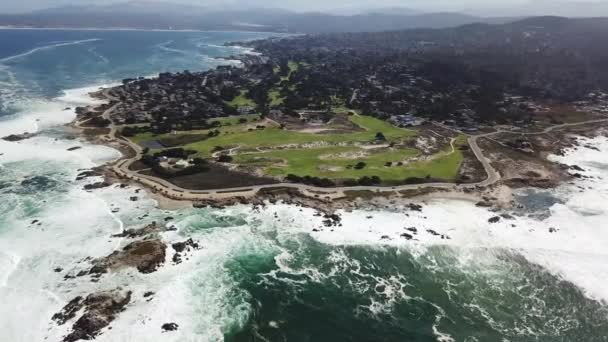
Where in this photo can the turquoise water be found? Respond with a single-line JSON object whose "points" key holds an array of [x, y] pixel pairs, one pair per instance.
{"points": [[261, 276]]}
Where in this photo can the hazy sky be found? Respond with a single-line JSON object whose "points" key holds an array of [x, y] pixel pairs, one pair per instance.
{"points": [[312, 5]]}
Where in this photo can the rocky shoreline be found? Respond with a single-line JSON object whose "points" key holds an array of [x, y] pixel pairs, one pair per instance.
{"points": [[144, 249], [351, 200]]}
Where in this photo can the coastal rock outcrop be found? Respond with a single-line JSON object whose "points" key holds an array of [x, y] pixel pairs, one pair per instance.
{"points": [[144, 255], [18, 137], [152, 228], [85, 174], [183, 247], [98, 185], [100, 309]]}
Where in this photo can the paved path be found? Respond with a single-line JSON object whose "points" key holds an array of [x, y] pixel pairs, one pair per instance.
{"points": [[121, 168]]}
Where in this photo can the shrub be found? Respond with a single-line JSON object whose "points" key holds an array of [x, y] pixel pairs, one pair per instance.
{"points": [[360, 166], [380, 136]]}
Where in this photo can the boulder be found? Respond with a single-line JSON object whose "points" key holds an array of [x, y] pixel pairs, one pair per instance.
{"points": [[432, 232], [494, 219], [98, 185], [182, 247], [407, 236], [483, 204], [414, 207], [169, 326]]}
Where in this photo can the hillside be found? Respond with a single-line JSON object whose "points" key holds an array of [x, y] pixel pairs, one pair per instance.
{"points": [[169, 16]]}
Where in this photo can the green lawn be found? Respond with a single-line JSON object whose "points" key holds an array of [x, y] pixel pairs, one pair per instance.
{"points": [[242, 100], [143, 137], [274, 136], [326, 163], [237, 135]]}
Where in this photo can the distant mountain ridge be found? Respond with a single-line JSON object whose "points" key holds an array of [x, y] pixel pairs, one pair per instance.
{"points": [[159, 15]]}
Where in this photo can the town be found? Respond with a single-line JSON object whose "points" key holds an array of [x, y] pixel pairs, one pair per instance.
{"points": [[345, 110]]}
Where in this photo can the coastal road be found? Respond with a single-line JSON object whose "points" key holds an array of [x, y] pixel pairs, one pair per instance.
{"points": [[121, 168]]}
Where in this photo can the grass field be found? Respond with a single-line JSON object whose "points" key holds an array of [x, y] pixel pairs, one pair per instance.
{"points": [[328, 155], [270, 137], [326, 162]]}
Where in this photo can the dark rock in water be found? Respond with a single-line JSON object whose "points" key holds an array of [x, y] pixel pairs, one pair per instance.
{"points": [[98, 185], [86, 174], [494, 219], [432, 232], [133, 198], [170, 326], [414, 207], [18, 137], [181, 247], [100, 309], [34, 222], [135, 233], [577, 168], [67, 108], [331, 220], [591, 147], [385, 237], [168, 218], [407, 236], [412, 229], [552, 230], [483, 204], [82, 273], [144, 255], [69, 311], [507, 216], [57, 269], [74, 148], [148, 294]]}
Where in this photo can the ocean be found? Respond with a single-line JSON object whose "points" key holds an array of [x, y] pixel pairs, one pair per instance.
{"points": [[265, 275]]}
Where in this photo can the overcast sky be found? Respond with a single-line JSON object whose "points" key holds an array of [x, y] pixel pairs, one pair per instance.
{"points": [[318, 5]]}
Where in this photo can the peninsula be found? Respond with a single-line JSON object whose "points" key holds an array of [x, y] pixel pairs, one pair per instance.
{"points": [[343, 116]]}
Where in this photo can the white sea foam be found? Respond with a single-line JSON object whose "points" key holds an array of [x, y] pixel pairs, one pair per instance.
{"points": [[46, 47], [576, 251], [32, 115]]}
